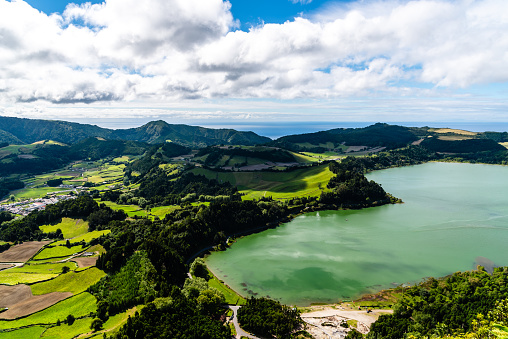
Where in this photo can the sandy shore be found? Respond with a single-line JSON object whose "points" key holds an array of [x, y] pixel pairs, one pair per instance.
{"points": [[325, 321]]}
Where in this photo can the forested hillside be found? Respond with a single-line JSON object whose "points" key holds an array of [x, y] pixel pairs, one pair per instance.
{"points": [[26, 131]]}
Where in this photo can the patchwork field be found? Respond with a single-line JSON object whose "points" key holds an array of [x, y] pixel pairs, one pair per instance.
{"points": [[75, 282], [87, 237], [85, 261], [79, 305], [70, 227], [130, 210], [58, 252], [33, 304], [9, 278], [29, 332], [22, 252], [11, 295]]}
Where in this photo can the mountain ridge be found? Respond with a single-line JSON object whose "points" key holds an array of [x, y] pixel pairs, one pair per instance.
{"points": [[13, 130]]}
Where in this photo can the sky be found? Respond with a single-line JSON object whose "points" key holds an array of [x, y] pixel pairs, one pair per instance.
{"points": [[211, 62]]}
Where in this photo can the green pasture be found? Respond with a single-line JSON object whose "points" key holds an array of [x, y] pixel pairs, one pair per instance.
{"points": [[114, 322], [74, 282], [29, 332], [35, 193], [65, 331], [123, 159], [279, 185], [46, 268], [9, 278], [232, 298], [70, 227], [97, 248], [79, 305], [87, 237], [131, 210], [161, 211], [58, 252], [322, 156]]}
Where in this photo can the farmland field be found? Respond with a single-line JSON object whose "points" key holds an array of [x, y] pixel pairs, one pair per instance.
{"points": [[79, 305], [11, 295], [22, 252], [161, 211], [33, 304], [131, 210], [70, 227], [42, 268], [65, 331], [58, 252], [29, 332], [87, 237], [279, 185], [9, 278], [75, 282], [85, 261]]}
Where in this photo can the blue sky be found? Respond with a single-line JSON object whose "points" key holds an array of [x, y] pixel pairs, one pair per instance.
{"points": [[253, 62]]}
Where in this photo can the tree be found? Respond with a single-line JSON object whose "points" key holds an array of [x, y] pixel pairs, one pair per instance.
{"points": [[209, 301], [198, 268], [70, 319], [96, 325], [354, 334], [65, 269]]}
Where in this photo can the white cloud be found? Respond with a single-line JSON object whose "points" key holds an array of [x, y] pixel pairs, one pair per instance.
{"points": [[303, 2], [167, 50]]}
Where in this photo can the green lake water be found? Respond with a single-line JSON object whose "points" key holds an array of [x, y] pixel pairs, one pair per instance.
{"points": [[454, 217]]}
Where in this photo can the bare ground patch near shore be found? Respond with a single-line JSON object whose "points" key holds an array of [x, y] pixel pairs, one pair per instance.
{"points": [[34, 304], [22, 252]]}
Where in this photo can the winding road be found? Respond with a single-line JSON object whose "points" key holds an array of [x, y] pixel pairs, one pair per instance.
{"points": [[239, 332]]}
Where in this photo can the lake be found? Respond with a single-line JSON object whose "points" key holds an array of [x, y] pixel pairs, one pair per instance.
{"points": [[454, 217]]}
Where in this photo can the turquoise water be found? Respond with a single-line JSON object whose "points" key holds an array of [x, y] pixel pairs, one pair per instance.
{"points": [[454, 216]]}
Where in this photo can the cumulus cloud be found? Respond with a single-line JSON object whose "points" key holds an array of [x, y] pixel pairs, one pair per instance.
{"points": [[166, 50]]}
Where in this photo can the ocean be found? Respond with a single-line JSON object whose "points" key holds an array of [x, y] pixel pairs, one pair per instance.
{"points": [[275, 130]]}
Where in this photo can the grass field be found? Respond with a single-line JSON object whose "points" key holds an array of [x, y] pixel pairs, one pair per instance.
{"points": [[8, 278], [74, 282], [65, 331], [35, 193], [279, 185], [43, 268], [85, 237], [29, 332], [70, 227], [505, 144], [131, 210], [116, 321], [232, 298], [58, 252], [79, 305], [161, 211], [97, 248]]}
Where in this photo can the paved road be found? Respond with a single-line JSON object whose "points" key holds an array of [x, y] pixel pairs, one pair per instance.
{"points": [[239, 331]]}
